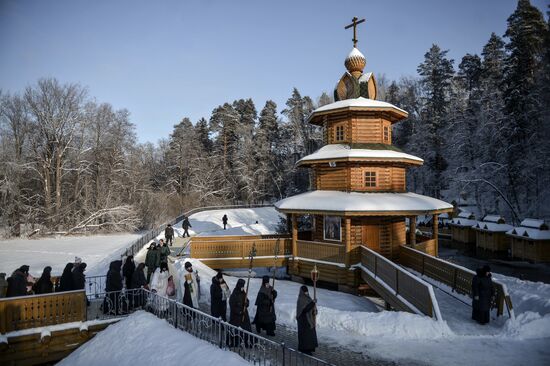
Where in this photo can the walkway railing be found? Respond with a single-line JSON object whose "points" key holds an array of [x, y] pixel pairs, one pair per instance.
{"points": [[240, 248], [41, 310], [321, 251], [401, 289], [251, 347], [452, 275]]}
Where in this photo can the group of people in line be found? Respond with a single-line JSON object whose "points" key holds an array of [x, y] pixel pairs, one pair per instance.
{"points": [[22, 283], [483, 293]]}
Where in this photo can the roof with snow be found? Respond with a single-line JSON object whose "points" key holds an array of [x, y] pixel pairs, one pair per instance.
{"points": [[363, 204], [342, 152], [358, 104], [492, 227], [531, 229], [462, 222], [355, 53], [466, 215], [494, 218]]}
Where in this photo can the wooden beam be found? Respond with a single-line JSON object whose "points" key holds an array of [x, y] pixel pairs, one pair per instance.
{"points": [[435, 229], [294, 238], [348, 242], [412, 230]]}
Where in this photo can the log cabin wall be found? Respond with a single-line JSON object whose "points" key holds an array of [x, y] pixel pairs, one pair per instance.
{"points": [[351, 177], [331, 179], [358, 128], [381, 234]]}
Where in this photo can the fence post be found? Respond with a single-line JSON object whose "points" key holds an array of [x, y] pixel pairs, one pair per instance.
{"points": [[284, 349], [375, 266], [396, 282], [423, 264], [175, 315]]}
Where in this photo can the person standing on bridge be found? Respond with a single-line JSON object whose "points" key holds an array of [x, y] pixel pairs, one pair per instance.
{"points": [[169, 234], [486, 293], [224, 220], [306, 310], [219, 293], [238, 310], [265, 308], [164, 251], [189, 287], [185, 225], [44, 284], [128, 271], [152, 260]]}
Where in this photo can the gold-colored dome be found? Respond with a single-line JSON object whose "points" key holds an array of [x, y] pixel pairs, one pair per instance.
{"points": [[355, 62]]}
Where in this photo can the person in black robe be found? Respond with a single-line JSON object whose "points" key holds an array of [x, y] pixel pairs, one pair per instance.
{"points": [[224, 220], [66, 281], [219, 293], [306, 310], [169, 234], [17, 284], [44, 284], [238, 313], [486, 292], [185, 225], [128, 271], [113, 286], [139, 281], [265, 308], [475, 294], [79, 278]]}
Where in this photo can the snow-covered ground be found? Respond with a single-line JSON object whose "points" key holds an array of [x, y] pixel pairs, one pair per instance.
{"points": [[97, 251], [144, 339]]}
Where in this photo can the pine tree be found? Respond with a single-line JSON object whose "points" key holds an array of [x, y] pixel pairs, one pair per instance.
{"points": [[436, 73], [203, 135], [266, 139]]}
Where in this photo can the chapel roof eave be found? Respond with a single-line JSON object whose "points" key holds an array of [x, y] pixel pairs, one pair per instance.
{"points": [[362, 204], [357, 105], [400, 161]]}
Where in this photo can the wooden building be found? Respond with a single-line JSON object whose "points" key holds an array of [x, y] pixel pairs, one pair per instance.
{"points": [[491, 234], [358, 194], [462, 228], [530, 241]]}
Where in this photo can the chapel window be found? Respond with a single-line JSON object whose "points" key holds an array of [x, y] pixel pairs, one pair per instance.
{"points": [[370, 179], [339, 133], [386, 134]]}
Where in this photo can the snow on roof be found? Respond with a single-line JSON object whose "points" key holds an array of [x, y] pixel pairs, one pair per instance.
{"points": [[494, 218], [342, 151], [361, 202], [355, 53], [529, 233], [492, 227], [534, 223], [459, 221], [360, 102], [466, 215]]}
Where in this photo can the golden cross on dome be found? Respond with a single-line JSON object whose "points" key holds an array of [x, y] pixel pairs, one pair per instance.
{"points": [[354, 24]]}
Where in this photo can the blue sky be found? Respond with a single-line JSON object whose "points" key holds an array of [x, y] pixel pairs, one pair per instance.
{"points": [[165, 60]]}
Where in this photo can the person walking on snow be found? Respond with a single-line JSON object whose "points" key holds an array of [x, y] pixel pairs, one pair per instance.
{"points": [[17, 284], [224, 220], [66, 281], [152, 260], [238, 313], [164, 251], [44, 284], [306, 310], [159, 284], [128, 271], [185, 225], [139, 281], [169, 234], [79, 278], [113, 286], [189, 287], [219, 293], [265, 308], [485, 292]]}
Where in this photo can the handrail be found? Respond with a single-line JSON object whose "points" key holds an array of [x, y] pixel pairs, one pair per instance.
{"points": [[457, 277], [392, 277], [250, 346]]}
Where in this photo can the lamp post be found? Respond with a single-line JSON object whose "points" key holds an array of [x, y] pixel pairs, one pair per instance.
{"points": [[314, 278]]}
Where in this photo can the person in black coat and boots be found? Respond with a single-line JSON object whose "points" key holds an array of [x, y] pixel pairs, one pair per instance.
{"points": [[265, 308], [486, 292], [475, 294], [17, 284], [44, 284], [113, 286], [306, 310], [185, 225], [79, 278], [238, 312], [128, 271], [169, 234], [219, 293], [66, 281], [139, 281], [224, 220]]}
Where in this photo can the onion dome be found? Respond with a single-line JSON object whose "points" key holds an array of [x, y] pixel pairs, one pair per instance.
{"points": [[355, 62]]}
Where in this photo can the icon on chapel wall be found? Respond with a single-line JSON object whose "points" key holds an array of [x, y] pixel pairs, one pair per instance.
{"points": [[332, 228]]}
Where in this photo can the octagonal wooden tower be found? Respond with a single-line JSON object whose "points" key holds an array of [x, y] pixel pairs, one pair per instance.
{"points": [[359, 192]]}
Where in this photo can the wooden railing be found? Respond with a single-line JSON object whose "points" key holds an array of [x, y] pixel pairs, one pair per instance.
{"points": [[400, 288], [326, 252], [40, 310], [426, 246], [221, 248], [454, 276], [196, 239]]}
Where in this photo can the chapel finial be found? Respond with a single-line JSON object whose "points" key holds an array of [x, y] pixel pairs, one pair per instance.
{"points": [[354, 24]]}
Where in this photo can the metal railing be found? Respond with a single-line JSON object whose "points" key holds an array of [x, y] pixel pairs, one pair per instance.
{"points": [[251, 347]]}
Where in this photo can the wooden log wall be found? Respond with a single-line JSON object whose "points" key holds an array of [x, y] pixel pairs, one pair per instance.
{"points": [[492, 241], [351, 177], [40, 310], [392, 233], [531, 250], [463, 234], [358, 129], [322, 251]]}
